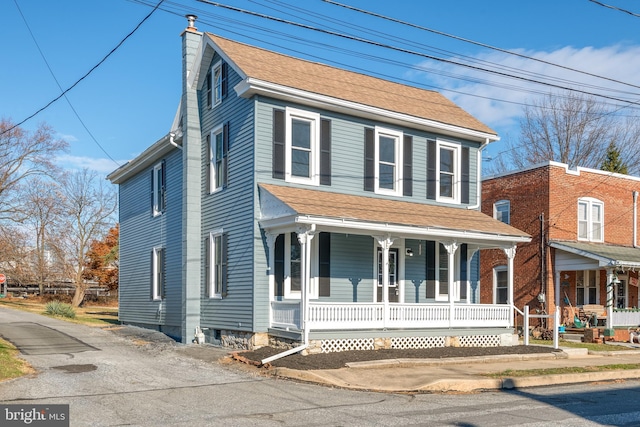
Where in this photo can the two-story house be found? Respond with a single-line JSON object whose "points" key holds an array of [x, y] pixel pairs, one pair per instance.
{"points": [[584, 248], [294, 202]]}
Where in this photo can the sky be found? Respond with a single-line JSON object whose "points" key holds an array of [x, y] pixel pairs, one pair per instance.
{"points": [[129, 101]]}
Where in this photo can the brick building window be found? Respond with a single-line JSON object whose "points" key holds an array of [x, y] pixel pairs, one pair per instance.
{"points": [[590, 220], [502, 211]]}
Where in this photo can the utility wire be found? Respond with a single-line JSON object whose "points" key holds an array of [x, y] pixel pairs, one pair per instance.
{"points": [[58, 83], [628, 12], [377, 15], [399, 49], [87, 74]]}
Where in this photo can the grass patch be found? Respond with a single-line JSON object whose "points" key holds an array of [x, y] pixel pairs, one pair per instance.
{"points": [[509, 373], [90, 316], [588, 346], [10, 365]]}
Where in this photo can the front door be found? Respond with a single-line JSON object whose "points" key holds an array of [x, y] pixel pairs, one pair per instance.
{"points": [[394, 292]]}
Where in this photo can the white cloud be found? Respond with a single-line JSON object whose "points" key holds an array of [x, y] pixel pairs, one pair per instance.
{"points": [[68, 138], [500, 103], [100, 165]]}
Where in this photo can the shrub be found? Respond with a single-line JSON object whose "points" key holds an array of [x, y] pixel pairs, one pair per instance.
{"points": [[57, 308]]}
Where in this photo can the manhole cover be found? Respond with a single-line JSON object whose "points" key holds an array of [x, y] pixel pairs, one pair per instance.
{"points": [[76, 369]]}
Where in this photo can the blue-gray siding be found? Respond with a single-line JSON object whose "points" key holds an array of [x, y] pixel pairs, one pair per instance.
{"points": [[140, 232]]}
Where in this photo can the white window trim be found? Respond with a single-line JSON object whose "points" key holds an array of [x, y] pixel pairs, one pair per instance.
{"points": [[499, 203], [457, 168], [215, 99], [314, 156], [586, 274], [213, 184], [314, 290], [157, 190], [496, 270], [157, 295], [397, 180], [211, 280], [589, 202]]}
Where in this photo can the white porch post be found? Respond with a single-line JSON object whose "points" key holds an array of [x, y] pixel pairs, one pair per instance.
{"points": [[304, 237], [451, 248], [511, 254], [611, 276], [271, 243], [385, 243]]}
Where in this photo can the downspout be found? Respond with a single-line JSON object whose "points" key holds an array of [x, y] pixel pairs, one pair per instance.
{"points": [[172, 142], [479, 175], [635, 219]]}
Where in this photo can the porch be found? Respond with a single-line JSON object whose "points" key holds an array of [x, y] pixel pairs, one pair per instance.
{"points": [[337, 316]]}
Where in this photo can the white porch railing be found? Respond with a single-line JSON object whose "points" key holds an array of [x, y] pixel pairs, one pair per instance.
{"points": [[335, 316], [625, 318]]}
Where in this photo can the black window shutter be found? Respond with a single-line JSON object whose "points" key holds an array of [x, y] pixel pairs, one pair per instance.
{"points": [[207, 267], [324, 267], [208, 88], [278, 144], [163, 187], [464, 273], [153, 189], [208, 169], [225, 72], [369, 160], [224, 276], [152, 275], [225, 154], [325, 152], [407, 173], [430, 251], [279, 265], [464, 175], [431, 169]]}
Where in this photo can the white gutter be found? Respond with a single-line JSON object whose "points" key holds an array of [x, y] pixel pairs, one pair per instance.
{"points": [[635, 219], [284, 353], [479, 175], [172, 142]]}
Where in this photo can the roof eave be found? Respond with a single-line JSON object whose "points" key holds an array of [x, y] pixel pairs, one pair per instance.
{"points": [[355, 226], [251, 86], [152, 154]]}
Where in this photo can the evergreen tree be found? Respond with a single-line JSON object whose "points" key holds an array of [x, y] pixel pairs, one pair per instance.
{"points": [[613, 160]]}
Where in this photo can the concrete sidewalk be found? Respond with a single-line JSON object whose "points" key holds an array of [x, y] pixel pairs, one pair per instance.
{"points": [[468, 374]]}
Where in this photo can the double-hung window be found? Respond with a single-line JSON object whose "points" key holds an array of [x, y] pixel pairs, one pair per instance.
{"points": [[216, 264], [500, 285], [218, 147], [586, 287], [388, 161], [157, 273], [502, 211], [217, 77], [302, 147], [448, 172], [158, 188], [590, 219]]}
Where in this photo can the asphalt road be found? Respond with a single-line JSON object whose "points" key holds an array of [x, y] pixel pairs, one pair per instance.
{"points": [[131, 377]]}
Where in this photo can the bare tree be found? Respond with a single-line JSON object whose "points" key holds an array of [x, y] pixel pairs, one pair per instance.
{"points": [[88, 205], [22, 155], [15, 255], [570, 128], [42, 202]]}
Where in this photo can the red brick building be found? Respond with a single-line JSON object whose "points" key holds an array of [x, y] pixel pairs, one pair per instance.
{"points": [[584, 228]]}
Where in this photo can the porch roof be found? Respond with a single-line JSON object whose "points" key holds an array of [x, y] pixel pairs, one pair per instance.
{"points": [[283, 206], [606, 255]]}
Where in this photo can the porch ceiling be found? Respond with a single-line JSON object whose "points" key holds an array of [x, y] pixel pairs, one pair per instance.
{"points": [[606, 255], [283, 207]]}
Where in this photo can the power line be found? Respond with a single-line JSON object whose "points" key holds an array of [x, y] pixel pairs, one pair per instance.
{"points": [[615, 8], [86, 75], [377, 15], [399, 49], [58, 83]]}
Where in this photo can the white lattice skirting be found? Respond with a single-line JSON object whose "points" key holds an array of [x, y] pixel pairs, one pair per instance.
{"points": [[336, 345]]}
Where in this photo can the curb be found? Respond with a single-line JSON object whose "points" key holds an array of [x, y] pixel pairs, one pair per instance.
{"points": [[399, 363]]}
